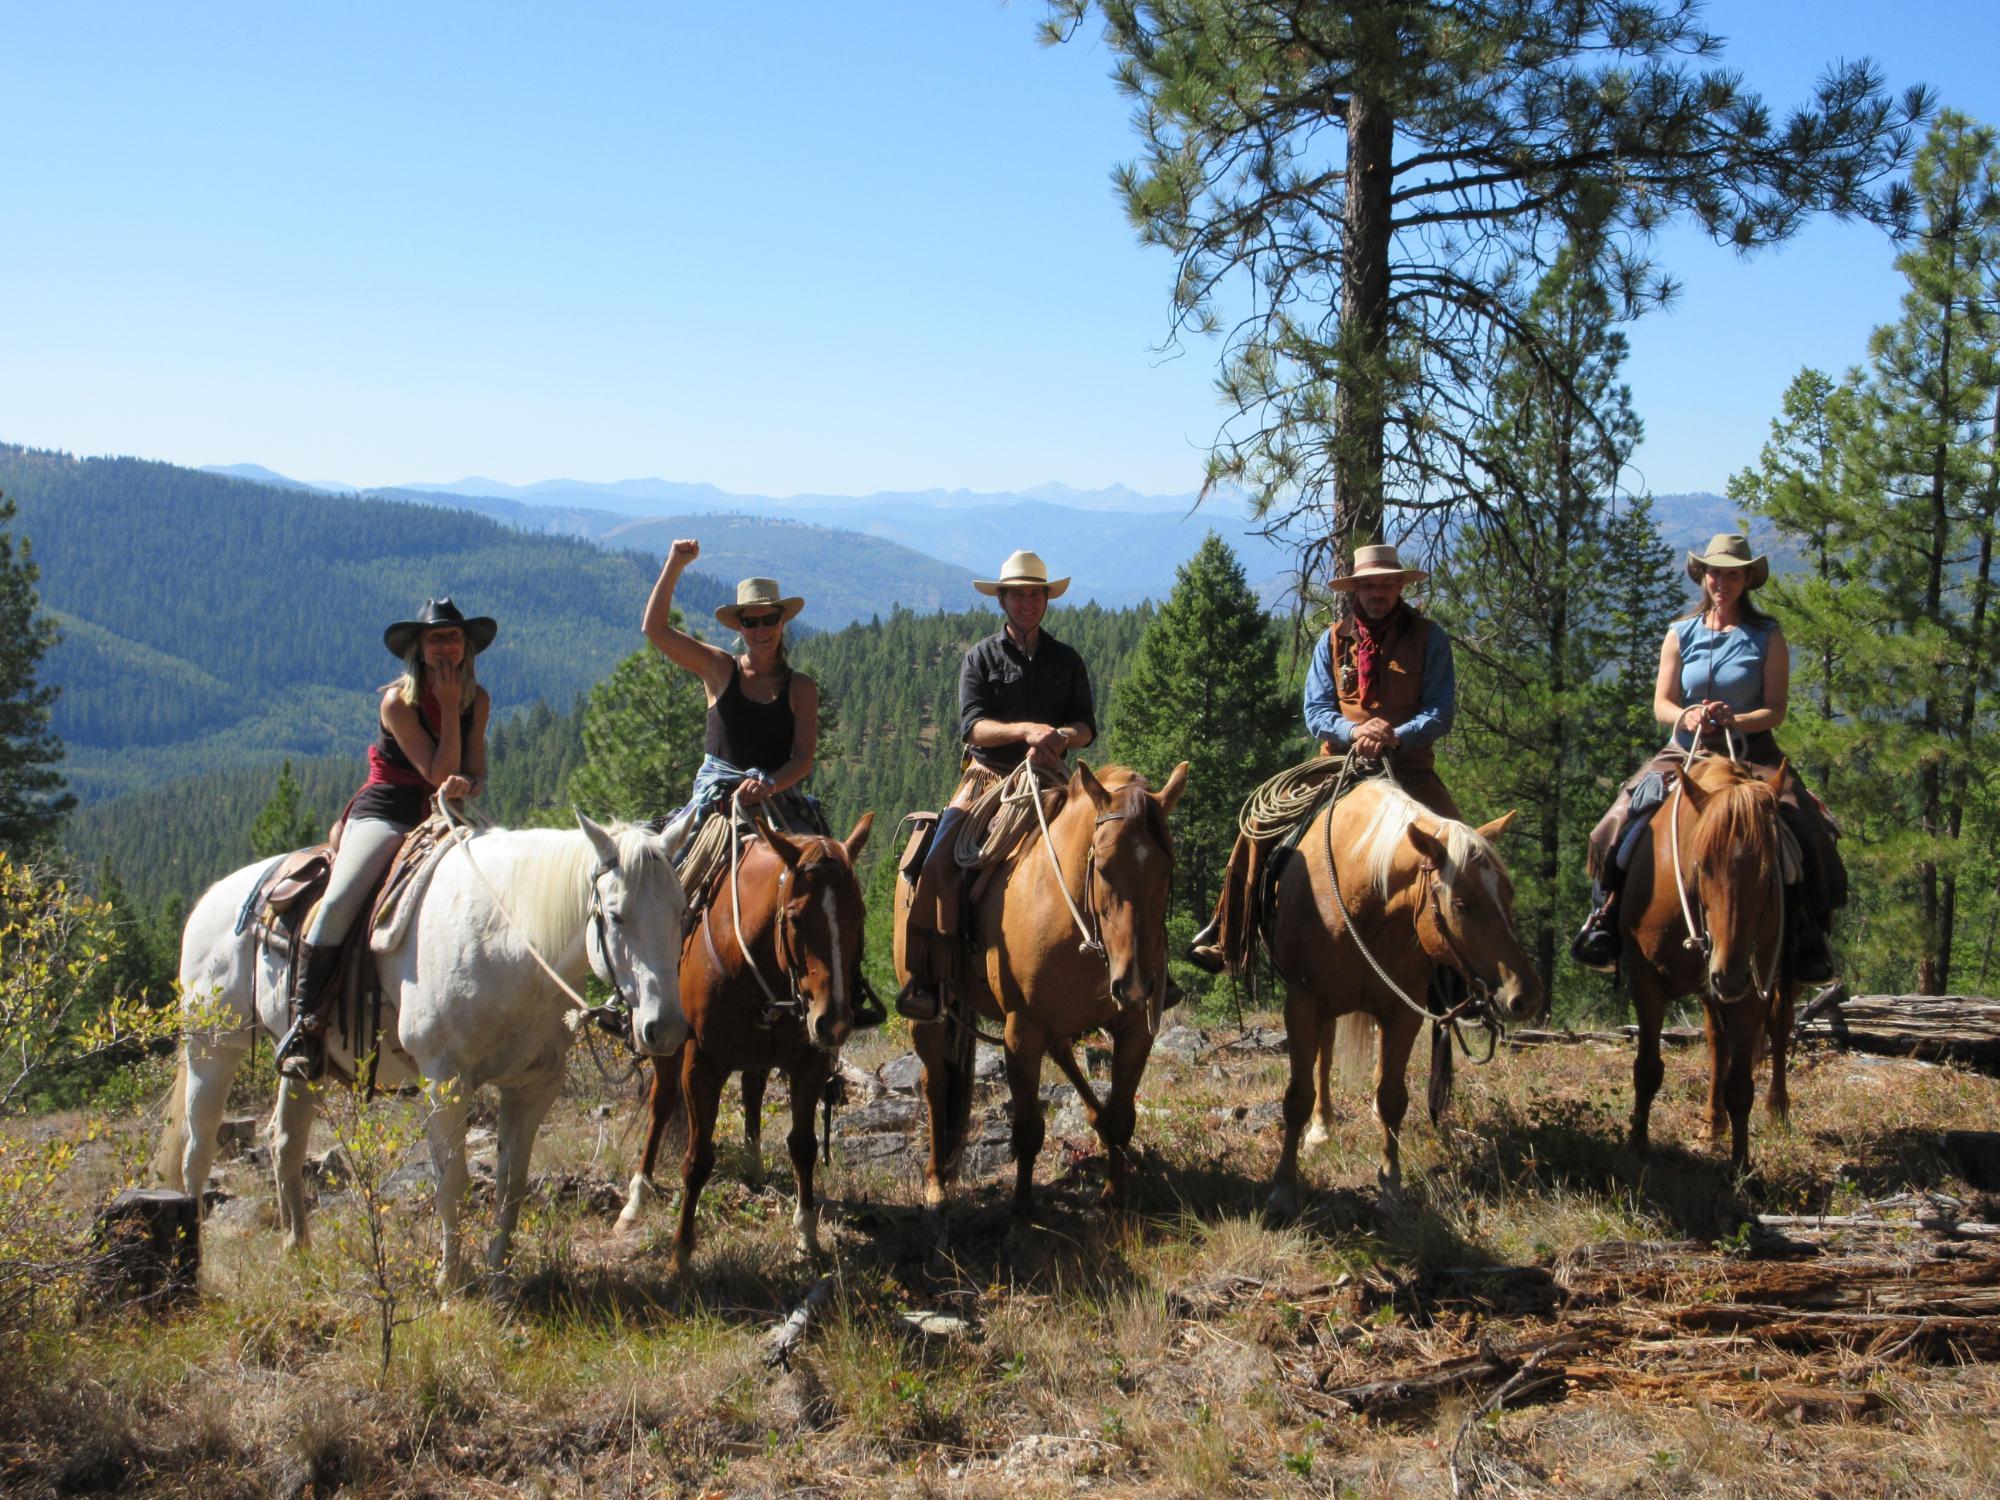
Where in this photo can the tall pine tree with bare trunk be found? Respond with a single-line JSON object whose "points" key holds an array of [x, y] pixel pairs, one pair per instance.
{"points": [[1361, 195]]}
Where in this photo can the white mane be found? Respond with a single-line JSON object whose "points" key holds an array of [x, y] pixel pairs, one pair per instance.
{"points": [[543, 874], [1395, 810]]}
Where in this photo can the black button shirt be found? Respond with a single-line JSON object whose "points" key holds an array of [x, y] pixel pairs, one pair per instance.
{"points": [[1000, 681]]}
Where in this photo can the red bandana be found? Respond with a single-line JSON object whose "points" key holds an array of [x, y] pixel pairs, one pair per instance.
{"points": [[1372, 643]]}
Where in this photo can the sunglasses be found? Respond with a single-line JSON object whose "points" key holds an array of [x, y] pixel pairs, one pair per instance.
{"points": [[760, 622]]}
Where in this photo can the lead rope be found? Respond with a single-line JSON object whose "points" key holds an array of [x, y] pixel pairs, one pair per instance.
{"points": [[461, 838]]}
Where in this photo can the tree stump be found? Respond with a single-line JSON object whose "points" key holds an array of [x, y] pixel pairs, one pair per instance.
{"points": [[148, 1245]]}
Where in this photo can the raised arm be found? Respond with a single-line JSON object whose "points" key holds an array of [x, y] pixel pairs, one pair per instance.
{"points": [[710, 663]]}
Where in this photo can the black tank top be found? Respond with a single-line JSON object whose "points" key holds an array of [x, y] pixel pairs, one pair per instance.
{"points": [[405, 800], [754, 736]]}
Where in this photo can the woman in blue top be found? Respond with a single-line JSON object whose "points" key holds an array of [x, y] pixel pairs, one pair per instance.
{"points": [[1725, 678]]}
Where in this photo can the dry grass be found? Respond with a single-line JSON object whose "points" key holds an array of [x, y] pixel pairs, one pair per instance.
{"points": [[1187, 1350]]}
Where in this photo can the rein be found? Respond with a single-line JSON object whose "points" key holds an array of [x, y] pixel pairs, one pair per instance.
{"points": [[461, 836], [1030, 790], [1699, 937], [772, 1004], [1478, 993]]}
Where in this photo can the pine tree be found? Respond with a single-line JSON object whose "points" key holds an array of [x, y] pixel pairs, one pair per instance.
{"points": [[1904, 509], [1525, 593], [32, 798], [1204, 688], [1357, 193], [642, 729], [284, 824]]}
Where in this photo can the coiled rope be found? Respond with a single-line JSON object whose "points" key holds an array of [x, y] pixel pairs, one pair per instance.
{"points": [[996, 822]]}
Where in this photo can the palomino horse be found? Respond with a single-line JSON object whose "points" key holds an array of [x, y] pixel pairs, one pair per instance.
{"points": [[1423, 892], [472, 1006], [1116, 860], [1728, 898], [786, 923]]}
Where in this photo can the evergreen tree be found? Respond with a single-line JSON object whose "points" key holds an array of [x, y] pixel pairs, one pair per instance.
{"points": [[1204, 688], [1924, 442], [32, 798], [642, 729], [1375, 181], [1642, 588], [1526, 594], [284, 824]]}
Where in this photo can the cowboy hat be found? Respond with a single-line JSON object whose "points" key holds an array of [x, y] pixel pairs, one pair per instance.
{"points": [[1372, 563], [753, 592], [1729, 549], [479, 630], [1023, 570]]}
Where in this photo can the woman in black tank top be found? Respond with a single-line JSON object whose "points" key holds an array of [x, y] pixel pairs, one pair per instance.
{"points": [[763, 717]]}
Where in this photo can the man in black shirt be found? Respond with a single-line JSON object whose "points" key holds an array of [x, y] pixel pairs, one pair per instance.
{"points": [[1021, 693]]}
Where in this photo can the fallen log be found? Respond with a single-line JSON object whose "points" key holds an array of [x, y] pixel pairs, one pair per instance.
{"points": [[1934, 1028]]}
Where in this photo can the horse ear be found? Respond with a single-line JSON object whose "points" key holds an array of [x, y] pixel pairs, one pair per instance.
{"points": [[856, 841], [1493, 830], [782, 844], [1777, 781], [1169, 794], [1087, 783], [1695, 793], [1429, 845], [600, 839]]}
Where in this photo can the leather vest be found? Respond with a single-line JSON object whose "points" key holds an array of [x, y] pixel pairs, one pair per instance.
{"points": [[1399, 688]]}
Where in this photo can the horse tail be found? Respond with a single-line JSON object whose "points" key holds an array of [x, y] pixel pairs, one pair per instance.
{"points": [[172, 1150], [1354, 1041]]}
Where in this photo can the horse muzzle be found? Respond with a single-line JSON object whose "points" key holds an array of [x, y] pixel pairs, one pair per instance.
{"points": [[659, 1036]]}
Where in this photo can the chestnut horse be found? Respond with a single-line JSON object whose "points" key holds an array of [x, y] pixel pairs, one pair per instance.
{"points": [[1724, 818], [1037, 980], [801, 918], [1423, 892]]}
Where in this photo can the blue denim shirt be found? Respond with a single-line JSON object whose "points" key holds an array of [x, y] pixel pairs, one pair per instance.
{"points": [[1325, 721]]}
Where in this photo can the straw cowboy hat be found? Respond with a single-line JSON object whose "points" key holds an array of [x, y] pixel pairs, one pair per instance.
{"points": [[1729, 549], [758, 594], [1023, 570], [1372, 563], [479, 630]]}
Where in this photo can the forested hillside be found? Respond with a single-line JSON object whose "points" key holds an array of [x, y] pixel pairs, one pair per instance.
{"points": [[211, 622], [892, 685]]}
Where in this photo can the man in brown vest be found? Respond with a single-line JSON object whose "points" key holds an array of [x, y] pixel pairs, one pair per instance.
{"points": [[1382, 683]]}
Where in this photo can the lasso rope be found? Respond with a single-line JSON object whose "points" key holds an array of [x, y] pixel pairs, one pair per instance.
{"points": [[995, 821]]}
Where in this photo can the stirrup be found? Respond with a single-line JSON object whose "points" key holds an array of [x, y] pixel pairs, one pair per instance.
{"points": [[1595, 945], [919, 1002], [1206, 957], [304, 1057]]}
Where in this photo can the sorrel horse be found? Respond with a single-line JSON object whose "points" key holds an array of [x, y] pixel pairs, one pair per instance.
{"points": [[1040, 982], [1718, 931], [1422, 892], [798, 903], [471, 1006]]}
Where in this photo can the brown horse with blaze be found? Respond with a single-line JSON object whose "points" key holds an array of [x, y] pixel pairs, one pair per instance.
{"points": [[789, 931], [1378, 874], [1703, 913], [1039, 978]]}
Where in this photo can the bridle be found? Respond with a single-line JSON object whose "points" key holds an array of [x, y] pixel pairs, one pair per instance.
{"points": [[1698, 935], [1093, 939]]}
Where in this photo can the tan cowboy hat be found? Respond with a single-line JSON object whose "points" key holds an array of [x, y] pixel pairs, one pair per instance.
{"points": [[1023, 570], [1371, 563], [753, 592], [1729, 549]]}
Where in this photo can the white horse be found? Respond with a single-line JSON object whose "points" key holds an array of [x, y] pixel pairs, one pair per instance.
{"points": [[468, 1003]]}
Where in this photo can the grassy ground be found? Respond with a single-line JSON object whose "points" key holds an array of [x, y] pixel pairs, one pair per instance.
{"points": [[1189, 1349]]}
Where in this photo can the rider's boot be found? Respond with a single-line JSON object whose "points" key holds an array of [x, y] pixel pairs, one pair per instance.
{"points": [[926, 947], [304, 1054], [1596, 945], [1812, 957], [1205, 952]]}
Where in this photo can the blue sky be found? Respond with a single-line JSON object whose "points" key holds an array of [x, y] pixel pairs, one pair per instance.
{"points": [[787, 247]]}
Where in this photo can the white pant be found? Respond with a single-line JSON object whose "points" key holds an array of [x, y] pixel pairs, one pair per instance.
{"points": [[366, 847]]}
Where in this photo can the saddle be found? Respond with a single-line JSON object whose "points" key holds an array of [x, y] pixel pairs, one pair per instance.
{"points": [[281, 906]]}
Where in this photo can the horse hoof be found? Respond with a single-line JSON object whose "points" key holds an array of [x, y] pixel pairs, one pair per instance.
{"points": [[933, 1195], [1282, 1205], [677, 1261], [637, 1195], [1316, 1135]]}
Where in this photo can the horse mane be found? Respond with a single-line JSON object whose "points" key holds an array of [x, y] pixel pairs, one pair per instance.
{"points": [[543, 874], [1383, 836], [1740, 814]]}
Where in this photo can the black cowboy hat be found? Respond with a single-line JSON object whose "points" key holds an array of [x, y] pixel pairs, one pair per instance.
{"points": [[479, 630]]}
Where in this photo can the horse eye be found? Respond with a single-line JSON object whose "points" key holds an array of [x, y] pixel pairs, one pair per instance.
{"points": [[1459, 903], [617, 920]]}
